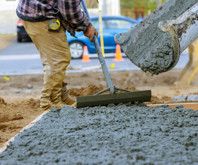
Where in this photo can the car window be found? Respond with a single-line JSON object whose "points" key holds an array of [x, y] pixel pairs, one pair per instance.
{"points": [[95, 23], [119, 24]]}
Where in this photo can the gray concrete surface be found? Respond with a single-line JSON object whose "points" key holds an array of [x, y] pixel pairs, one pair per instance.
{"points": [[123, 134], [185, 98]]}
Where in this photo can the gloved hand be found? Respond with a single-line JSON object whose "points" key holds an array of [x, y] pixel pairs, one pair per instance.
{"points": [[91, 30]]}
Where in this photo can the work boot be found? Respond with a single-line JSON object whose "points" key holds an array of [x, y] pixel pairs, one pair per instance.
{"points": [[66, 98], [57, 102], [45, 104], [74, 105], [46, 108], [69, 100], [59, 105]]}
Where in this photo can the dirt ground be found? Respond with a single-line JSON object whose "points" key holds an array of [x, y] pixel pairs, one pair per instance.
{"points": [[19, 95]]}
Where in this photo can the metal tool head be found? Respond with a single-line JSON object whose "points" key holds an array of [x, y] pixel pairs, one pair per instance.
{"points": [[105, 99]]}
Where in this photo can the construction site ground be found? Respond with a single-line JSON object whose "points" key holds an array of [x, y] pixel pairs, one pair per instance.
{"points": [[19, 95]]}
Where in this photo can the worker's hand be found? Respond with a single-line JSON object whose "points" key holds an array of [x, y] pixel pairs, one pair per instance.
{"points": [[90, 32]]}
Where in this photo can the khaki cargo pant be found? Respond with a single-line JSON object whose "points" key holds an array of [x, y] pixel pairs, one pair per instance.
{"points": [[55, 57]]}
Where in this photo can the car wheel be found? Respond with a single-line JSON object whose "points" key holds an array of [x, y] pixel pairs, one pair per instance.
{"points": [[76, 49], [19, 39]]}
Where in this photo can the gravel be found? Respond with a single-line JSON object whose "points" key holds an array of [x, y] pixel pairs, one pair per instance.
{"points": [[122, 134]]}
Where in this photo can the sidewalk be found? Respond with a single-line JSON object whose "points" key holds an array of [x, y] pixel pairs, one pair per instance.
{"points": [[6, 39]]}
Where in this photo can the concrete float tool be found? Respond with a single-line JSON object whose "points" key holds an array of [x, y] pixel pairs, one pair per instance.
{"points": [[113, 97], [155, 44]]}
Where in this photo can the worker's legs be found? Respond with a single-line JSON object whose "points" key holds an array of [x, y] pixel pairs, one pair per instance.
{"points": [[55, 56]]}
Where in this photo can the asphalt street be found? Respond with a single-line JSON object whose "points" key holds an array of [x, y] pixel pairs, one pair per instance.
{"points": [[23, 58]]}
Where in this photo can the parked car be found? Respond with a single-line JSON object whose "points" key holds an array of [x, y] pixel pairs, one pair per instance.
{"points": [[21, 32], [111, 25]]}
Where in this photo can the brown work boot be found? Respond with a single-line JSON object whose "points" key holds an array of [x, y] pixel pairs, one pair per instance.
{"points": [[66, 98], [45, 104], [69, 100], [59, 105], [74, 105], [46, 108]]}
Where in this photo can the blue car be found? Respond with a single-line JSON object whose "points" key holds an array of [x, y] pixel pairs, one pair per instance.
{"points": [[111, 25]]}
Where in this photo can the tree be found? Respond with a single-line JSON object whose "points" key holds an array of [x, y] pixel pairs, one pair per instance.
{"points": [[133, 6]]}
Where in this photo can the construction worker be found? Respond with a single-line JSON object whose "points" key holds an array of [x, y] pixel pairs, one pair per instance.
{"points": [[46, 21]]}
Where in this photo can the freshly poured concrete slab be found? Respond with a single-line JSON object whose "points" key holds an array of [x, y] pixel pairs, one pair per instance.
{"points": [[123, 134]]}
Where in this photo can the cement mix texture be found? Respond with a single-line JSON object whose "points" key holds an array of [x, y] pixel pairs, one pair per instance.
{"points": [[147, 46], [122, 134]]}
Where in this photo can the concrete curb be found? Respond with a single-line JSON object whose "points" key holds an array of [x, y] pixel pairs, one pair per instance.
{"points": [[192, 105]]}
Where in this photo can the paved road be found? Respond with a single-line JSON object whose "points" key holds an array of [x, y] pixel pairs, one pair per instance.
{"points": [[23, 58]]}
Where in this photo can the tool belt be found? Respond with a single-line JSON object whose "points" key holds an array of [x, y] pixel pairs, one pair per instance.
{"points": [[53, 25]]}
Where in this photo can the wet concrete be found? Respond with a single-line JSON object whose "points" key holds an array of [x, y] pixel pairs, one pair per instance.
{"points": [[147, 46], [123, 134]]}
